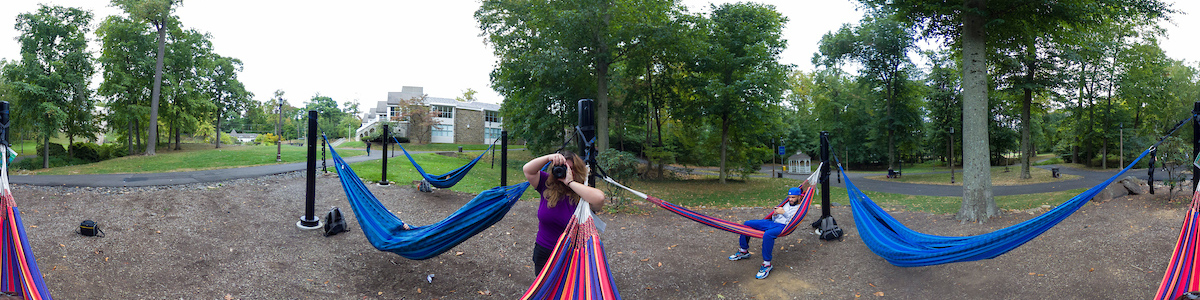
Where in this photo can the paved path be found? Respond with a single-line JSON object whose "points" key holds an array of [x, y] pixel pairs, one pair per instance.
{"points": [[173, 178]]}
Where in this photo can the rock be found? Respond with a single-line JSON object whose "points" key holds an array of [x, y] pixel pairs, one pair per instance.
{"points": [[1112, 191], [1133, 185]]}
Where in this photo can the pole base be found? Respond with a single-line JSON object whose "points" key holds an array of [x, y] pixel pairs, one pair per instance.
{"points": [[308, 224]]}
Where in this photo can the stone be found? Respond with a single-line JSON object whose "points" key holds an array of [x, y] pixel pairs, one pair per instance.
{"points": [[1134, 185]]}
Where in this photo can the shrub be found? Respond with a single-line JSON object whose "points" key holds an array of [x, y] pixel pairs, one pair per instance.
{"points": [[34, 163], [619, 165], [267, 139], [86, 151], [55, 150], [111, 151]]}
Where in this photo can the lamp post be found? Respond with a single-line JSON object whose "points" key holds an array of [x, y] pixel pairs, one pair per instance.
{"points": [[279, 129], [1122, 152]]}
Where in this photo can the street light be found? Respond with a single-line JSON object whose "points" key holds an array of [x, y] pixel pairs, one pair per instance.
{"points": [[279, 129]]}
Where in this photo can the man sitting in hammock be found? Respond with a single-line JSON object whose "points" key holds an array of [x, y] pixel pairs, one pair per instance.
{"points": [[771, 229]]}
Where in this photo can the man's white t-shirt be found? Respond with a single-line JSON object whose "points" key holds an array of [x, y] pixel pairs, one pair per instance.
{"points": [[789, 210]]}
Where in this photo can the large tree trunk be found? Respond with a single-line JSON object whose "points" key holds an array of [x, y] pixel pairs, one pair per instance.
{"points": [[1026, 127], [724, 146], [152, 138], [129, 137], [978, 204], [602, 64]]}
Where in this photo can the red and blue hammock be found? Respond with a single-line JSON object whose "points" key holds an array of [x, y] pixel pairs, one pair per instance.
{"points": [[731, 226], [1182, 273], [578, 268], [19, 273]]}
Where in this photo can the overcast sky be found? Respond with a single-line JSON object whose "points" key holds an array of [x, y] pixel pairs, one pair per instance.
{"points": [[360, 50]]}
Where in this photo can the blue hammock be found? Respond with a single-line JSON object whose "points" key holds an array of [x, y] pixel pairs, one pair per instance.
{"points": [[904, 247], [386, 232], [445, 180]]}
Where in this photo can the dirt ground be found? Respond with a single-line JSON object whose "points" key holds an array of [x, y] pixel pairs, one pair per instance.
{"points": [[238, 240]]}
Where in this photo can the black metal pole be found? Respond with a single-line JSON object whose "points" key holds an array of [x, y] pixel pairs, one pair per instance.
{"points": [[1195, 143], [387, 136], [310, 219], [587, 126], [825, 175], [323, 170], [4, 121], [1150, 171], [504, 158]]}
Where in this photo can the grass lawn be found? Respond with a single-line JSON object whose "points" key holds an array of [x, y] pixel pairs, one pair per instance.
{"points": [[192, 158], [482, 177]]}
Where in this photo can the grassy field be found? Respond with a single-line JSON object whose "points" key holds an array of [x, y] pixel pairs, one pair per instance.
{"points": [[1001, 176], [192, 158]]}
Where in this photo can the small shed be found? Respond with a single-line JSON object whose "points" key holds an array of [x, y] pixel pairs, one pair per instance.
{"points": [[243, 138], [799, 163]]}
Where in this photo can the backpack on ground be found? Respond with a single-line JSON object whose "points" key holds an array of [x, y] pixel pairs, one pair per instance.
{"points": [[334, 222], [828, 229], [425, 187]]}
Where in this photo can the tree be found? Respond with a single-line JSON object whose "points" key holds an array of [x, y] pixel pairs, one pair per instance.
{"points": [[420, 119], [157, 13], [972, 24], [225, 90], [740, 79], [881, 46], [54, 71], [467, 96], [127, 63], [554, 52]]}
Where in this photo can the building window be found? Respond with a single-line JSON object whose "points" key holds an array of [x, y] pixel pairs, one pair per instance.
{"points": [[442, 130], [393, 113], [443, 111], [491, 133], [491, 116]]}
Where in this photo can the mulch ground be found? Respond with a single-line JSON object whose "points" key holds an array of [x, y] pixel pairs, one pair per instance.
{"points": [[238, 240]]}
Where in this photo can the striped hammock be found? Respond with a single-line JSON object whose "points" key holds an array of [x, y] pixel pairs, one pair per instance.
{"points": [[731, 226], [905, 247], [578, 268], [19, 273], [445, 180], [1183, 273], [387, 233]]}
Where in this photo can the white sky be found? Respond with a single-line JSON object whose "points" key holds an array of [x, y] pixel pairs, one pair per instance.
{"points": [[360, 50]]}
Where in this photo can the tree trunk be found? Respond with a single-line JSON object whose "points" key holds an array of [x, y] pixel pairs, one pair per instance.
{"points": [[152, 137], [218, 130], [724, 146], [138, 127], [177, 147], [1026, 127], [978, 204], [602, 64], [46, 152], [129, 137]]}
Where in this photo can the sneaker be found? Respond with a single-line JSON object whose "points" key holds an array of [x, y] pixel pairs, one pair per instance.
{"points": [[739, 255], [763, 272]]}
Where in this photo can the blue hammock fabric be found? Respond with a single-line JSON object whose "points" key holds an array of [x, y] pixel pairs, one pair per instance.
{"points": [[904, 247], [445, 180], [386, 232]]}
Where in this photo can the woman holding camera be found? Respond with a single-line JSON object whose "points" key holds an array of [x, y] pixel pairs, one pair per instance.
{"points": [[560, 195]]}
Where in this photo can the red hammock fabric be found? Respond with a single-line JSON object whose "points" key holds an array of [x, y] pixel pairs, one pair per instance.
{"points": [[578, 268], [1183, 273], [736, 227]]}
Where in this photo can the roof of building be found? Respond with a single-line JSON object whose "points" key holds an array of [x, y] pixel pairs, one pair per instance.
{"points": [[800, 156]]}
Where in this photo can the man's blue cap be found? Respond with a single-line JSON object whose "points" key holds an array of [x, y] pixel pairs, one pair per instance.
{"points": [[795, 191]]}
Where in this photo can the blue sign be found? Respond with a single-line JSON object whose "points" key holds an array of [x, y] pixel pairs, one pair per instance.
{"points": [[781, 152]]}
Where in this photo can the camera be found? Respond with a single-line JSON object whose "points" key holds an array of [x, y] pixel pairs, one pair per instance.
{"points": [[559, 171]]}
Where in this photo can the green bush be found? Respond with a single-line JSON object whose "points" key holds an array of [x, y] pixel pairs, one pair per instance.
{"points": [[34, 163], [111, 151], [86, 151], [619, 165], [55, 150]]}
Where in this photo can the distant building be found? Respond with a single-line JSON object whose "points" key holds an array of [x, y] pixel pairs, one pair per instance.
{"points": [[458, 122], [243, 138], [799, 164]]}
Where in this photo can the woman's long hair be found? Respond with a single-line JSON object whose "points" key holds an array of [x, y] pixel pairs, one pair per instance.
{"points": [[555, 189]]}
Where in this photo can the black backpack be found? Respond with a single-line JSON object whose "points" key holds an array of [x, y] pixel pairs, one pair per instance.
{"points": [[334, 222], [828, 228], [425, 187]]}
